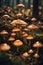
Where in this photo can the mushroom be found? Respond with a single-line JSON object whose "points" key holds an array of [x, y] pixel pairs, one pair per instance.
{"points": [[20, 5], [27, 13], [40, 23], [4, 33], [18, 14], [6, 16], [30, 51], [24, 39], [18, 22], [25, 35], [37, 45], [33, 28], [36, 55], [5, 47], [26, 29], [13, 34], [11, 39], [40, 8], [25, 54], [18, 43], [15, 29], [29, 37], [33, 19]]}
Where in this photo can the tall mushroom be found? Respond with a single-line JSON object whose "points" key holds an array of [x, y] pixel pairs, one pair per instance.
{"points": [[29, 37], [4, 33], [25, 56], [16, 30], [33, 20], [36, 56], [6, 17], [33, 28], [37, 45], [20, 6], [25, 35], [18, 43]]}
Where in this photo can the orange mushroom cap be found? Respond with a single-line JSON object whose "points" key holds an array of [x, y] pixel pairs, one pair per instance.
{"points": [[26, 55], [4, 47], [37, 44], [30, 51], [3, 32], [33, 19], [18, 43], [15, 29], [6, 16], [13, 34], [29, 37], [36, 55], [33, 27], [20, 5], [25, 35], [18, 22], [11, 39]]}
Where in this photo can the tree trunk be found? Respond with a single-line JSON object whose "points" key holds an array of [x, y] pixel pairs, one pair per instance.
{"points": [[35, 8], [0, 3]]}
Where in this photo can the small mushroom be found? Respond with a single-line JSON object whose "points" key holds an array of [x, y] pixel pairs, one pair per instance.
{"points": [[11, 39], [6, 16], [13, 34], [19, 15], [15, 29], [36, 55], [29, 37], [20, 5], [25, 54], [25, 35], [33, 19], [30, 51]]}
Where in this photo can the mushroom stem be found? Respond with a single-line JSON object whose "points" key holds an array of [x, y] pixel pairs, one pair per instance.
{"points": [[32, 62], [29, 43], [35, 61], [37, 50], [33, 32], [3, 37], [17, 49]]}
